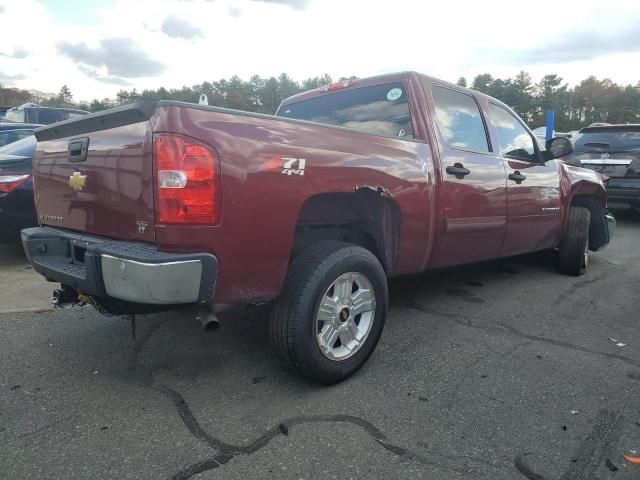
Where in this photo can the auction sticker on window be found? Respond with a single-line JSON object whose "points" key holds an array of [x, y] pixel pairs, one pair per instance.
{"points": [[394, 94]]}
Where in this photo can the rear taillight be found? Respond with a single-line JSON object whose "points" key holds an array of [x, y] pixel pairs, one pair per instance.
{"points": [[187, 180], [9, 183]]}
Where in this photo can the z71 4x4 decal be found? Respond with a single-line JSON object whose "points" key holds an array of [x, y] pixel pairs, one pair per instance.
{"points": [[293, 166], [285, 165]]}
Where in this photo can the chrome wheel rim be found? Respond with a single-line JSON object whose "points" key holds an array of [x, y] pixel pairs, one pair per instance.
{"points": [[345, 316]]}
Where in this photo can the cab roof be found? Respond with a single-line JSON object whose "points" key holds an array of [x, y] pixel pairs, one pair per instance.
{"points": [[379, 80]]}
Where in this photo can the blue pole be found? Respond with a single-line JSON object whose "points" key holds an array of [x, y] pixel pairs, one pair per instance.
{"points": [[550, 120]]}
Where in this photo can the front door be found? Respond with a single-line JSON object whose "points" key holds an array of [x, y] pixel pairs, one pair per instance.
{"points": [[533, 187], [473, 196]]}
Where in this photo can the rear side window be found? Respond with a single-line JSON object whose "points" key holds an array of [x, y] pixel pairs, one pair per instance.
{"points": [[25, 147], [611, 139], [10, 136], [459, 120], [515, 141], [48, 116], [379, 110]]}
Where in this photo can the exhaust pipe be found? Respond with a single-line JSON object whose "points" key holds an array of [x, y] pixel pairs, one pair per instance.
{"points": [[207, 318]]}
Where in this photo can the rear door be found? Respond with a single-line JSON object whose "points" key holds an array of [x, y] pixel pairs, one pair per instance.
{"points": [[533, 186], [473, 199], [105, 189]]}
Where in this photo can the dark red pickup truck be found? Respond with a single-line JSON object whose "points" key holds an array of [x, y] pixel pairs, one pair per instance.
{"points": [[160, 204]]}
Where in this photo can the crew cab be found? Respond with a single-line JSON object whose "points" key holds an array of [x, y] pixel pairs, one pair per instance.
{"points": [[164, 204]]}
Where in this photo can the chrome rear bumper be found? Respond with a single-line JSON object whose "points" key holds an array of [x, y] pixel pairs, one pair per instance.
{"points": [[130, 271]]}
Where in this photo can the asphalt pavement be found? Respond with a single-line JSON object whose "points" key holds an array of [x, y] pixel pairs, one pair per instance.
{"points": [[503, 370]]}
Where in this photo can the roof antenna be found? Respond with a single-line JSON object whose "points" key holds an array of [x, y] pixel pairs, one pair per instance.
{"points": [[203, 100]]}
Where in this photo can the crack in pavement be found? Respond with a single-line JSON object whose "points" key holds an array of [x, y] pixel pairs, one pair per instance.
{"points": [[500, 328], [226, 451], [139, 373]]}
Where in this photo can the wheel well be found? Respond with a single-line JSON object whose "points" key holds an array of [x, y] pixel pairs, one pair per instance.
{"points": [[598, 233], [364, 218]]}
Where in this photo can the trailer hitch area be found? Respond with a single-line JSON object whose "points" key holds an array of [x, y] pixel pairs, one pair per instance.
{"points": [[68, 296]]}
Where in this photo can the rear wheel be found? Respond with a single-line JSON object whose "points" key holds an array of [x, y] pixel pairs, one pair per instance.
{"points": [[331, 312], [573, 255]]}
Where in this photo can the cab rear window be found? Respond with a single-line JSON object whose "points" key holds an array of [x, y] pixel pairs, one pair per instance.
{"points": [[378, 110]]}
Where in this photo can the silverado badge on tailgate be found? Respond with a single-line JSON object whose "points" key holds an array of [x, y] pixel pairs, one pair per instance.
{"points": [[77, 181]]}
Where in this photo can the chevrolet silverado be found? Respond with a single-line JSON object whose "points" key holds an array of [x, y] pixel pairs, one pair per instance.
{"points": [[162, 204]]}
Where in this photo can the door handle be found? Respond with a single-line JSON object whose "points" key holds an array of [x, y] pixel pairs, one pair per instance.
{"points": [[517, 177], [458, 170], [78, 149]]}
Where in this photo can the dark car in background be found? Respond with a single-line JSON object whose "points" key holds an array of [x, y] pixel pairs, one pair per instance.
{"points": [[33, 113], [12, 132], [614, 151], [17, 210]]}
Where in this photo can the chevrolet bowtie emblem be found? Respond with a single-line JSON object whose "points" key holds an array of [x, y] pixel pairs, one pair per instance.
{"points": [[77, 181]]}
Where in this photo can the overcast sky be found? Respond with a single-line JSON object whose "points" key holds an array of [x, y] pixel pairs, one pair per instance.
{"points": [[98, 47]]}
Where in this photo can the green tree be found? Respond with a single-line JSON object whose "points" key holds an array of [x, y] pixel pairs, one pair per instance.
{"points": [[65, 96], [523, 101], [97, 105], [14, 96], [462, 82], [482, 82], [270, 97], [122, 97], [552, 94]]}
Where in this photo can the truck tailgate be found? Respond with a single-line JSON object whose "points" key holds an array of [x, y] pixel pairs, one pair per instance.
{"points": [[110, 192]]}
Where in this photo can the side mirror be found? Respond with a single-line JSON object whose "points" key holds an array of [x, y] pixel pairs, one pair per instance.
{"points": [[558, 147]]}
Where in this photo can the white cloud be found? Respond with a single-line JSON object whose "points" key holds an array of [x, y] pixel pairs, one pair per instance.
{"points": [[175, 27], [18, 53], [342, 38], [121, 57]]}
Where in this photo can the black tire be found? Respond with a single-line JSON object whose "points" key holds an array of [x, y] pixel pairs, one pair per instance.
{"points": [[293, 319], [573, 255]]}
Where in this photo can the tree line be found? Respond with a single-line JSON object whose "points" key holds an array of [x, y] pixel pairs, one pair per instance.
{"points": [[592, 100]]}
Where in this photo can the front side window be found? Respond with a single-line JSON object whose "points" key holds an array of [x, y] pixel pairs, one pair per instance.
{"points": [[514, 140], [379, 110], [459, 120]]}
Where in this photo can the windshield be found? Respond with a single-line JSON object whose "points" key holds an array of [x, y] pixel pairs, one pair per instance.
{"points": [[379, 110], [608, 139], [24, 148]]}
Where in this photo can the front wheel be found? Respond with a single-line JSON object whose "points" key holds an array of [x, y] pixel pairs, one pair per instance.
{"points": [[573, 254], [331, 312]]}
